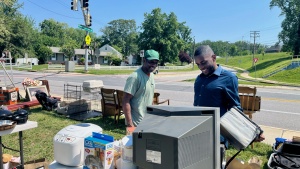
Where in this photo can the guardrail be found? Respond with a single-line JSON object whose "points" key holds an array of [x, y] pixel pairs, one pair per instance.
{"points": [[21, 66], [105, 67], [292, 65]]}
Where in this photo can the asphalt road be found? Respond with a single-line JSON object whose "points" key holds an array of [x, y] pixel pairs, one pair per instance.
{"points": [[279, 108]]}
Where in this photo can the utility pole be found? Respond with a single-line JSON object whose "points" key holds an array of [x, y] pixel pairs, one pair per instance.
{"points": [[254, 34], [88, 22]]}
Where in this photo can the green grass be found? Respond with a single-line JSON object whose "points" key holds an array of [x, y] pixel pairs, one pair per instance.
{"points": [[266, 64], [38, 142]]}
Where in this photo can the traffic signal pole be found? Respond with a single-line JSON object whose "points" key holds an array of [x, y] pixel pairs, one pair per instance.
{"points": [[88, 22]]}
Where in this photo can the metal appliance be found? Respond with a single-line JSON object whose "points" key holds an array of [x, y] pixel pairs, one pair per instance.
{"points": [[69, 143]]}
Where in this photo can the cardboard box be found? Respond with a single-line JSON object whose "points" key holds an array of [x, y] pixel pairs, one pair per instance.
{"points": [[37, 164], [98, 151]]}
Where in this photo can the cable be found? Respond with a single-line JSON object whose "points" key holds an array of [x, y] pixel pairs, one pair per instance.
{"points": [[52, 11]]}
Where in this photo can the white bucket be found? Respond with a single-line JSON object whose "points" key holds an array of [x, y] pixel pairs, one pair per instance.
{"points": [[125, 164], [127, 151]]}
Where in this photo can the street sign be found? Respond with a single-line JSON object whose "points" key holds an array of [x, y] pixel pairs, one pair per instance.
{"points": [[85, 28], [255, 60], [88, 39], [142, 53]]}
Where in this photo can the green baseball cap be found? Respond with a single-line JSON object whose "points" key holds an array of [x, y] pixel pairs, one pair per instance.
{"points": [[151, 55]]}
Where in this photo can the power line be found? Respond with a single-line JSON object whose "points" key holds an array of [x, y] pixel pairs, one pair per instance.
{"points": [[53, 11]]}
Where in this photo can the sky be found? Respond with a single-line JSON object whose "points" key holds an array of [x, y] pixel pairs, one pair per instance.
{"points": [[225, 20]]}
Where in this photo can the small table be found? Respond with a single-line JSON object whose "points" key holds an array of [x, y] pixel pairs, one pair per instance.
{"points": [[18, 128]]}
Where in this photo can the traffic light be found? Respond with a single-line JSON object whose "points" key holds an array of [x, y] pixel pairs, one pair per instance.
{"points": [[74, 5], [84, 3], [88, 20]]}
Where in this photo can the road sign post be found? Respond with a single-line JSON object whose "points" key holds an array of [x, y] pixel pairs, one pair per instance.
{"points": [[255, 60]]}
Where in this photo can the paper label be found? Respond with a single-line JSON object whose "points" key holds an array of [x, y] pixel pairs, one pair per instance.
{"points": [[153, 156]]}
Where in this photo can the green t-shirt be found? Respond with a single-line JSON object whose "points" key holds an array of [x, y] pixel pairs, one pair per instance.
{"points": [[141, 87]]}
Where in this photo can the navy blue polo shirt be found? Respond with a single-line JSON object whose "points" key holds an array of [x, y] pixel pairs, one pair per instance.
{"points": [[219, 89]]}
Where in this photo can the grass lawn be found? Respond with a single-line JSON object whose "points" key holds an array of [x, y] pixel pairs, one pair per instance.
{"points": [[38, 142]]}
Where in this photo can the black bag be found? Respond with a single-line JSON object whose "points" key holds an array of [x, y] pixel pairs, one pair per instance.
{"points": [[47, 102], [279, 161], [287, 156]]}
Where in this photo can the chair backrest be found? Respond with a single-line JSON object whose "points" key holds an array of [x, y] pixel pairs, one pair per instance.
{"points": [[156, 98], [120, 95], [109, 97], [247, 97]]}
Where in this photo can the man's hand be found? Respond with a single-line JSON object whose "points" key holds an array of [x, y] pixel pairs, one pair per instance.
{"points": [[260, 138]]}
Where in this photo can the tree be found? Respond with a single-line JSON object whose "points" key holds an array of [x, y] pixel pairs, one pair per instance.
{"points": [[121, 33], [164, 34], [69, 49], [184, 57], [290, 34], [43, 52]]}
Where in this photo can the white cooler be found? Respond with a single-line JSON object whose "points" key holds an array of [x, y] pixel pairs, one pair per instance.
{"points": [[69, 143]]}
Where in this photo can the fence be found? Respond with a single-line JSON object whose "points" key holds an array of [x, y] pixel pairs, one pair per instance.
{"points": [[105, 67], [292, 65]]}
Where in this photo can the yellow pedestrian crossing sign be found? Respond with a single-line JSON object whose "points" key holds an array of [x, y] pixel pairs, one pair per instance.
{"points": [[88, 39]]}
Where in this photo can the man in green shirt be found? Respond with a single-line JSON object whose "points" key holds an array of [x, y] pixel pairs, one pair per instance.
{"points": [[139, 90]]}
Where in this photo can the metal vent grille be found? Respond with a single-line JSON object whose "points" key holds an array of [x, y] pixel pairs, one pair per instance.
{"points": [[193, 149]]}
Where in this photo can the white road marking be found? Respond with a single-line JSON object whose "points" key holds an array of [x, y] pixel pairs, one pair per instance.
{"points": [[281, 112]]}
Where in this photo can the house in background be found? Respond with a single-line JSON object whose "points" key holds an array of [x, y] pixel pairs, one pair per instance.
{"points": [[273, 49], [131, 59], [58, 57], [102, 54]]}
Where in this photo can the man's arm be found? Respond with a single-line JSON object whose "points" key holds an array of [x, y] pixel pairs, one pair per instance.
{"points": [[127, 109]]}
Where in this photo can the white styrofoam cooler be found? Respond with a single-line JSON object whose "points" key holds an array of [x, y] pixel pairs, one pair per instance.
{"points": [[69, 143], [92, 85]]}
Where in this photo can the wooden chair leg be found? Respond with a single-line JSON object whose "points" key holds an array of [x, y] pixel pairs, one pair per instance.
{"points": [[116, 122]]}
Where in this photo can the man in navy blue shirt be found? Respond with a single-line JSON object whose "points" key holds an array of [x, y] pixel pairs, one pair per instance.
{"points": [[215, 86]]}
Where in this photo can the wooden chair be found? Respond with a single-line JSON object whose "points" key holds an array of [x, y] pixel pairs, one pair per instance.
{"points": [[120, 95], [109, 103], [156, 99], [248, 99]]}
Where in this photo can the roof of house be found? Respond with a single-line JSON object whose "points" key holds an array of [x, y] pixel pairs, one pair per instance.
{"points": [[107, 50], [55, 49]]}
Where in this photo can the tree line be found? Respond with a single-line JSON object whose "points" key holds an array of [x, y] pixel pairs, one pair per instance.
{"points": [[159, 31]]}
